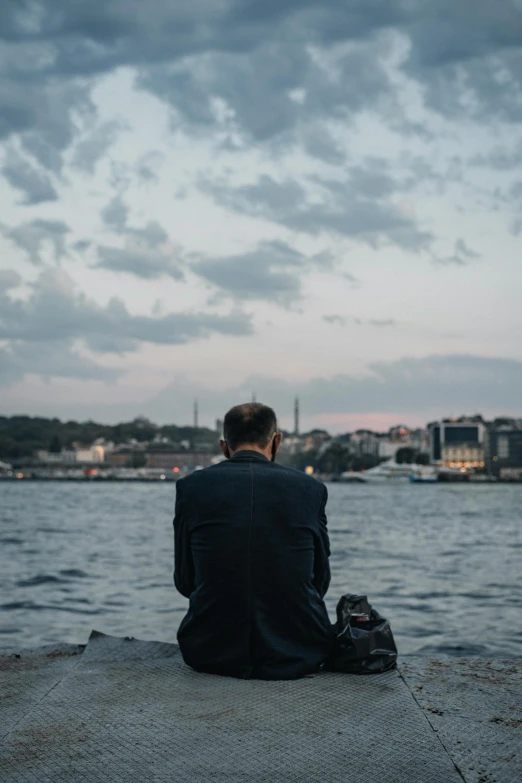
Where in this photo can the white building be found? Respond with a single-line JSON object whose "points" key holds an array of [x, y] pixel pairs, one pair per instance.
{"points": [[93, 454], [63, 457], [389, 448]]}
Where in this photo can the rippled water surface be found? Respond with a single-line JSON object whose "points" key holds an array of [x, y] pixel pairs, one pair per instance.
{"points": [[443, 562]]}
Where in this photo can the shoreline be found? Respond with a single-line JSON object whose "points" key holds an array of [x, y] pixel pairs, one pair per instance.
{"points": [[172, 479]]}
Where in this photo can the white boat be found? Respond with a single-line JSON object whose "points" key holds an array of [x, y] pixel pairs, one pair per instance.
{"points": [[352, 477], [423, 478], [393, 471]]}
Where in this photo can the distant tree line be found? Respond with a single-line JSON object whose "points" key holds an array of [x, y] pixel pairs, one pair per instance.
{"points": [[21, 436]]}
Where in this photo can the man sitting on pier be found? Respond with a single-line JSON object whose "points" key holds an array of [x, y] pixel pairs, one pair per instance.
{"points": [[251, 554]]}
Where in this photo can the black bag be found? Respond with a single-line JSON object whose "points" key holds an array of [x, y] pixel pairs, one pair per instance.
{"points": [[364, 642]]}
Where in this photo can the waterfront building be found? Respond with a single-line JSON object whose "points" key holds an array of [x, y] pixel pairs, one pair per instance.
{"points": [[504, 453], [463, 455], [316, 440], [451, 433], [398, 437], [58, 458], [388, 448], [125, 457], [365, 443], [293, 445], [177, 460], [92, 454], [419, 440]]}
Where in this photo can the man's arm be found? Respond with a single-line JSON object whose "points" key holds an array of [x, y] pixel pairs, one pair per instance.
{"points": [[183, 564], [322, 552]]}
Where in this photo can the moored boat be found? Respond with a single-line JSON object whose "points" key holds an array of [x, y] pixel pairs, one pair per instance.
{"points": [[423, 478]]}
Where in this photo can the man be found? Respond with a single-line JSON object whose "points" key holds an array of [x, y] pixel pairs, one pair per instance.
{"points": [[251, 554]]}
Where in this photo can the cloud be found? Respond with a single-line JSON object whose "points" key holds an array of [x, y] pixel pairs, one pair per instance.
{"points": [[147, 167], [54, 359], [282, 81], [433, 385], [269, 272], [465, 251], [335, 319], [476, 47], [152, 234], [343, 320], [370, 179], [147, 252], [116, 212], [499, 158], [336, 85], [318, 142], [33, 236], [55, 312], [34, 105], [461, 256], [35, 185], [429, 387], [445, 383], [302, 61], [94, 145], [9, 279], [139, 260], [381, 322], [327, 206], [280, 78]]}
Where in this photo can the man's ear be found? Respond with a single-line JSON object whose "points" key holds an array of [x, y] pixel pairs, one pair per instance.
{"points": [[223, 445], [278, 439]]}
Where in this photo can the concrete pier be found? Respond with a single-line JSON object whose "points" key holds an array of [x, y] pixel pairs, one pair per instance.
{"points": [[128, 710]]}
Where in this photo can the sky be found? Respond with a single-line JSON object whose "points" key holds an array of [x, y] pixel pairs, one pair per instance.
{"points": [[224, 198]]}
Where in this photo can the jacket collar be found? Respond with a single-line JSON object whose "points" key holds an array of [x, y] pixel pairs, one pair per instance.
{"points": [[247, 454]]}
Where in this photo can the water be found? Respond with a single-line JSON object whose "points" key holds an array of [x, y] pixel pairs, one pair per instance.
{"points": [[443, 562]]}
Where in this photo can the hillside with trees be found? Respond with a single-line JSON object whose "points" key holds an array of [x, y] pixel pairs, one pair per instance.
{"points": [[21, 436]]}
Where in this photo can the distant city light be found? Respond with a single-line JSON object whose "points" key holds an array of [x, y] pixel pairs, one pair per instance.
{"points": [[175, 470], [309, 470]]}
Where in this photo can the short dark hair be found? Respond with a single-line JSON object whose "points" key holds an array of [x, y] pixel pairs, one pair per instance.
{"points": [[251, 422]]}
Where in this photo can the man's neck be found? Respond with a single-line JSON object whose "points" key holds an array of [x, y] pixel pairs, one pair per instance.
{"points": [[252, 447]]}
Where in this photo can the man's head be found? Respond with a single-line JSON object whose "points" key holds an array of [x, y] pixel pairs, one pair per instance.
{"points": [[250, 426]]}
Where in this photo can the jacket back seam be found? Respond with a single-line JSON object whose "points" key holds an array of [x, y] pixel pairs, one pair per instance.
{"points": [[249, 563]]}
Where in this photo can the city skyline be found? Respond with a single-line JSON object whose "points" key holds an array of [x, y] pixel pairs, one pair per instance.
{"points": [[467, 448], [314, 201]]}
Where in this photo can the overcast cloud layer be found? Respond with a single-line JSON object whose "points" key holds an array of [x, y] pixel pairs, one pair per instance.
{"points": [[323, 199]]}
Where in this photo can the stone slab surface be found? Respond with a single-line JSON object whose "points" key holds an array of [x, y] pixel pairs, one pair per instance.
{"points": [[127, 710], [26, 677], [475, 706]]}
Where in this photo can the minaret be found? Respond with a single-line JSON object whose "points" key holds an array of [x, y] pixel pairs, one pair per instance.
{"points": [[254, 397], [296, 416], [196, 425]]}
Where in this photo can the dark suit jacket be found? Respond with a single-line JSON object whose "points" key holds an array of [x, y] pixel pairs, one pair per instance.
{"points": [[251, 554]]}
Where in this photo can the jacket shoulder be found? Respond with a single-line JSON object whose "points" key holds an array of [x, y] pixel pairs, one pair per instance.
{"points": [[193, 479], [302, 478], [296, 477]]}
